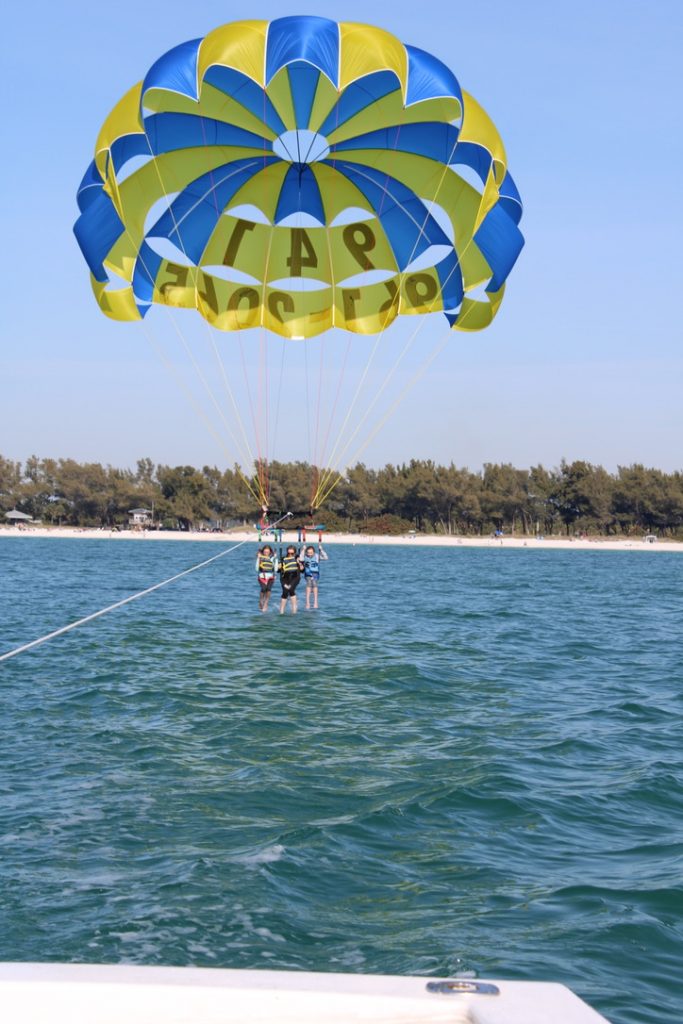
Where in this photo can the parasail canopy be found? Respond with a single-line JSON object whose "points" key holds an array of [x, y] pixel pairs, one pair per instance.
{"points": [[299, 175]]}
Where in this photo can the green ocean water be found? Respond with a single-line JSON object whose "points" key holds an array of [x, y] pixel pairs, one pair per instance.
{"points": [[468, 761]]}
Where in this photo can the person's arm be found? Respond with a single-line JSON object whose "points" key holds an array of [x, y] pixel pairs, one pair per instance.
{"points": [[257, 560], [322, 554]]}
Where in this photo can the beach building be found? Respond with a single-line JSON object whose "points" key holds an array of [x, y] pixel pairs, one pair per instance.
{"points": [[138, 518], [16, 517]]}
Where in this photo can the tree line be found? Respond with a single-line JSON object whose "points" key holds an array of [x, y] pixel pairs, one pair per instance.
{"points": [[576, 497]]}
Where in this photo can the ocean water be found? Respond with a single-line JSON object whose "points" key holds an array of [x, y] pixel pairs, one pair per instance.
{"points": [[468, 761]]}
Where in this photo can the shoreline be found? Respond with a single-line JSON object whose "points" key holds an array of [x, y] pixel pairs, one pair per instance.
{"points": [[290, 536]]}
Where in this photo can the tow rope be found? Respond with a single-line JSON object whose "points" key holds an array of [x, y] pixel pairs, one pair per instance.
{"points": [[127, 600]]}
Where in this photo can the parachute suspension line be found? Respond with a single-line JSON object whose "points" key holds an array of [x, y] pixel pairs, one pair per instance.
{"points": [[378, 394], [392, 408], [382, 329], [386, 180], [316, 498], [264, 337], [192, 402], [259, 415], [213, 184], [231, 395], [263, 341], [224, 375], [316, 452], [355, 398], [340, 379], [186, 346], [419, 373], [262, 410], [438, 348], [127, 600], [277, 403], [335, 455], [246, 453], [200, 374], [176, 225], [158, 349], [308, 406], [411, 383], [257, 433], [264, 377]]}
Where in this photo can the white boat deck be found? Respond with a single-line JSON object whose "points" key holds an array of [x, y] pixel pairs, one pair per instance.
{"points": [[84, 994]]}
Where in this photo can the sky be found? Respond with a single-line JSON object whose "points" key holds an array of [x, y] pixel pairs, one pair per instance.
{"points": [[583, 361]]}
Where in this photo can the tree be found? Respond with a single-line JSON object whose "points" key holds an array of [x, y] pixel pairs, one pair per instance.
{"points": [[187, 493], [10, 480]]}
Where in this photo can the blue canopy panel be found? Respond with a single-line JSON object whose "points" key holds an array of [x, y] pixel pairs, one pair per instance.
{"points": [[168, 132], [450, 279], [300, 193], [431, 139], [408, 225], [96, 230], [192, 216], [128, 146], [510, 199], [247, 93], [303, 82], [295, 39], [429, 79], [501, 242], [145, 274], [472, 155], [175, 71], [359, 95], [90, 186]]}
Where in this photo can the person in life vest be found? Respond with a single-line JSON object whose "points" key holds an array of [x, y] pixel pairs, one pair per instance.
{"points": [[263, 525], [266, 567], [311, 562], [290, 574]]}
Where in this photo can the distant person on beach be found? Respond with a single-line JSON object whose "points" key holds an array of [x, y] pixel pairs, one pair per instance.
{"points": [[290, 575], [266, 567], [311, 562]]}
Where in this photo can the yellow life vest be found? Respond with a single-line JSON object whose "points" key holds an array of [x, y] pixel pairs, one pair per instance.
{"points": [[290, 563], [265, 565]]}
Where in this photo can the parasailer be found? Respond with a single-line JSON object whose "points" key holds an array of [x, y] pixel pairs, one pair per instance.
{"points": [[311, 560], [266, 567], [293, 177], [289, 567]]}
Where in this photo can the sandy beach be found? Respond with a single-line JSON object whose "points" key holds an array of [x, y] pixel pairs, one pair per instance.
{"points": [[290, 536]]}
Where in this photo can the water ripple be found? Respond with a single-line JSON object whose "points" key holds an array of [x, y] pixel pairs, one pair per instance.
{"points": [[467, 762]]}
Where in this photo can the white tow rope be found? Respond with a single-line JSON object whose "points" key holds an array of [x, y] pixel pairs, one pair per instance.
{"points": [[127, 600]]}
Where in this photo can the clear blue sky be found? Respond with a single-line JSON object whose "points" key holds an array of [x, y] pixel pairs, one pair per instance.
{"points": [[584, 360]]}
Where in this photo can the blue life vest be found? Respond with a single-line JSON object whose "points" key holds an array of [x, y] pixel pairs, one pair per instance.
{"points": [[311, 566]]}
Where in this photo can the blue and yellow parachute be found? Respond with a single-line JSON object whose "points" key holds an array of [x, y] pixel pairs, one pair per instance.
{"points": [[299, 175]]}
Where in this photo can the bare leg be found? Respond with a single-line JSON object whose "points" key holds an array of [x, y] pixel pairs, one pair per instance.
{"points": [[266, 599], [294, 603], [308, 597], [283, 605], [315, 595]]}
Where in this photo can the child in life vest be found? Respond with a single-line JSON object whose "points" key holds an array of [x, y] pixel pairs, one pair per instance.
{"points": [[311, 562], [266, 567], [290, 575]]}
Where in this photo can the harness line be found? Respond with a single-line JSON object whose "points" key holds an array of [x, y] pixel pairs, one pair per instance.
{"points": [[127, 600]]}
